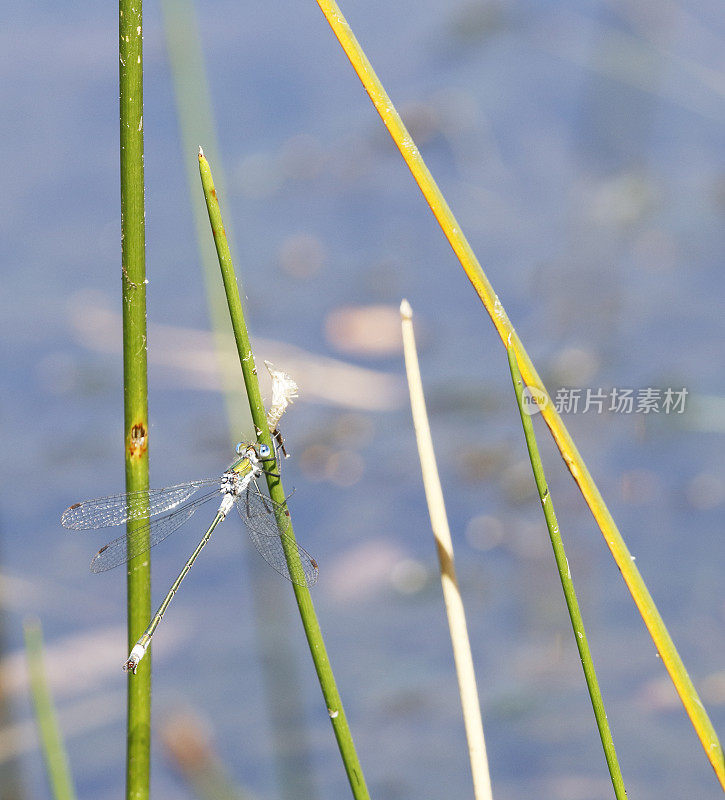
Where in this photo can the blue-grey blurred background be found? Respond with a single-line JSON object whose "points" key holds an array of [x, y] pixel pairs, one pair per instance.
{"points": [[580, 145]]}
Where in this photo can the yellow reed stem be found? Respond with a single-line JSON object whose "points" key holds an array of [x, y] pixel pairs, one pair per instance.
{"points": [[451, 593], [655, 625]]}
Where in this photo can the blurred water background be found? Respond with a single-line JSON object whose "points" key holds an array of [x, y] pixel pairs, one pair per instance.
{"points": [[580, 146]]}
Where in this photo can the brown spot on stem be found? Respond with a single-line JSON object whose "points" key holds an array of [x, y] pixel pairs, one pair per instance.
{"points": [[138, 442], [213, 193]]}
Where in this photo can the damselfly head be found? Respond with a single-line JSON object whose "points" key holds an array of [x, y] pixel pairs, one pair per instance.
{"points": [[252, 451]]}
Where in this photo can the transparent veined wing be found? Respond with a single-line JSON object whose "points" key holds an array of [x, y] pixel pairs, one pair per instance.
{"points": [[258, 513], [123, 549], [116, 509]]}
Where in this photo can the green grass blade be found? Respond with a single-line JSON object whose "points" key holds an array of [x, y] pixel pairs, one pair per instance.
{"points": [[302, 595], [567, 584], [51, 741], [135, 390]]}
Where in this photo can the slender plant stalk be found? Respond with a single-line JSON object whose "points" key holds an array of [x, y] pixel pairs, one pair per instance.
{"points": [[135, 390], [54, 754], [276, 491], [451, 593], [567, 584], [196, 124], [642, 598]]}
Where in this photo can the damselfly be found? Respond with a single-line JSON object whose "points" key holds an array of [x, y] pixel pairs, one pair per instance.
{"points": [[168, 509]]}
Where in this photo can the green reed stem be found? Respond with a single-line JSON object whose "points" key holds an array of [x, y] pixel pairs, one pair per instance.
{"points": [[276, 491], [467, 258], [51, 740], [135, 389], [197, 124], [567, 584]]}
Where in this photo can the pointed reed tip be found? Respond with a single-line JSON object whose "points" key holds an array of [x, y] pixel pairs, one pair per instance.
{"points": [[406, 312], [201, 152]]}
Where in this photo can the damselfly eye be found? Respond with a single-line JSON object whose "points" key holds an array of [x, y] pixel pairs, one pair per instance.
{"points": [[240, 448], [263, 450]]}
